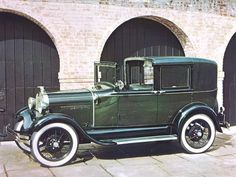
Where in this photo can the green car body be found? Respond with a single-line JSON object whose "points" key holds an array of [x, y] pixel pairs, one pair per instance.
{"points": [[144, 99]]}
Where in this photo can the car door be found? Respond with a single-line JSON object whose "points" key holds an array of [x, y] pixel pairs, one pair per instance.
{"points": [[106, 104], [174, 92], [137, 105], [137, 108]]}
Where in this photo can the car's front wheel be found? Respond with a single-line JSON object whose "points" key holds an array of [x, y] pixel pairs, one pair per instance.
{"points": [[55, 144], [197, 134]]}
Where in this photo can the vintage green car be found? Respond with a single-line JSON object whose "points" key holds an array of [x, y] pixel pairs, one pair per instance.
{"points": [[143, 99]]}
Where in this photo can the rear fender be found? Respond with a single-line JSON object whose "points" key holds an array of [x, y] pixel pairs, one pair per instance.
{"points": [[189, 110]]}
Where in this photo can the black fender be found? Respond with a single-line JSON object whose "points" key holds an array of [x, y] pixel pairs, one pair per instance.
{"points": [[62, 118], [192, 109]]}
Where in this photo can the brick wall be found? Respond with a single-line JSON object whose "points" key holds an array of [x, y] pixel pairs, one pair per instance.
{"points": [[80, 28]]}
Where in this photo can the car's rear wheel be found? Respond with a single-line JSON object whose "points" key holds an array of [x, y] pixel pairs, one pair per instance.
{"points": [[55, 144], [197, 134]]}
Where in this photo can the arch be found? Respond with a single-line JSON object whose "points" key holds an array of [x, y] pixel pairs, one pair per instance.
{"points": [[225, 44], [229, 83], [178, 32], [28, 58], [32, 19]]}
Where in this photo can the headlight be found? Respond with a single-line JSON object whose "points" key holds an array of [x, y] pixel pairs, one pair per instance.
{"points": [[42, 101], [31, 102]]}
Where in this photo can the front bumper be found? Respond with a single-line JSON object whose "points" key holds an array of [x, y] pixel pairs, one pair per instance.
{"points": [[21, 131], [16, 135]]}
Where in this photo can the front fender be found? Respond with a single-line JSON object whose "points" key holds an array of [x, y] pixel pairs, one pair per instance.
{"points": [[52, 118], [62, 118], [26, 115], [189, 110]]}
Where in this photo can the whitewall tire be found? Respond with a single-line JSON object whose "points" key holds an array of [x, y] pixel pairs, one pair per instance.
{"points": [[197, 134], [55, 144]]}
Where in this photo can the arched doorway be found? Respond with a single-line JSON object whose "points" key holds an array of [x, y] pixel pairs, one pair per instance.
{"points": [[140, 37], [230, 81], [28, 58]]}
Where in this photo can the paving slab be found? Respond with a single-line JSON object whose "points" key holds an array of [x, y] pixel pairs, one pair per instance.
{"points": [[223, 151], [80, 170], [228, 161], [138, 161], [3, 175], [1, 169], [173, 165], [14, 165], [170, 158], [103, 162], [136, 170], [31, 172]]}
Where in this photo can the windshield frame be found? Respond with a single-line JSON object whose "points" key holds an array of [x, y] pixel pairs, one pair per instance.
{"points": [[108, 64]]}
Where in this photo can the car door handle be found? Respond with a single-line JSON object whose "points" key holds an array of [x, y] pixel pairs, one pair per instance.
{"points": [[2, 110], [161, 92], [158, 92]]}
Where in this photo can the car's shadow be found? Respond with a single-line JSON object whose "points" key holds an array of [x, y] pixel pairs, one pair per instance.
{"points": [[87, 152]]}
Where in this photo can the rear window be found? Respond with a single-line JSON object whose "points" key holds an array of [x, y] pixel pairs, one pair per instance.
{"points": [[175, 77]]}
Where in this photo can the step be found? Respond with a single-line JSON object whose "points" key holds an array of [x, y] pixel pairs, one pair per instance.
{"points": [[145, 139]]}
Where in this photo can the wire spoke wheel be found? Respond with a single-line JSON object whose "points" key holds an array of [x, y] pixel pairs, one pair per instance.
{"points": [[55, 144], [198, 134]]}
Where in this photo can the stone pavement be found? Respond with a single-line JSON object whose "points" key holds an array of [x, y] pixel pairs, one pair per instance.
{"points": [[151, 159]]}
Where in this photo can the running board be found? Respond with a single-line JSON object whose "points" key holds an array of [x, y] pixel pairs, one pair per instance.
{"points": [[141, 139]]}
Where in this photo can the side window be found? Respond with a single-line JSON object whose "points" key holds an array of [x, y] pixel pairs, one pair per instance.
{"points": [[140, 72], [175, 77], [135, 72]]}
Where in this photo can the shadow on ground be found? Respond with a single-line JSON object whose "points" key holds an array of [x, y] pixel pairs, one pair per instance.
{"points": [[87, 152], [224, 140]]}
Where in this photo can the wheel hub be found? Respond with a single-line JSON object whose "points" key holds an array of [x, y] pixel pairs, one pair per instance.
{"points": [[56, 144], [53, 144], [199, 134], [195, 132]]}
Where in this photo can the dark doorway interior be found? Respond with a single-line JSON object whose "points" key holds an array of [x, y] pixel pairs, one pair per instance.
{"points": [[28, 58], [140, 37], [230, 81]]}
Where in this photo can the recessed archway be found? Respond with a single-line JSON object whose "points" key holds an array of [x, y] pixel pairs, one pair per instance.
{"points": [[230, 81], [141, 37], [28, 58]]}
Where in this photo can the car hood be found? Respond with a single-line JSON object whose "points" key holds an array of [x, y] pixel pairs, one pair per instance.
{"points": [[70, 96]]}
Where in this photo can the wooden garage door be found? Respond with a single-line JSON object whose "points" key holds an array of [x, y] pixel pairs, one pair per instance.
{"points": [[140, 37], [28, 58], [230, 81]]}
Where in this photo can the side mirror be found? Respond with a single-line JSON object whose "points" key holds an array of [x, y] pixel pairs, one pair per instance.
{"points": [[120, 84]]}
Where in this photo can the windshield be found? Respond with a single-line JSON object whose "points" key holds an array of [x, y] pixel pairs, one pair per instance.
{"points": [[105, 72]]}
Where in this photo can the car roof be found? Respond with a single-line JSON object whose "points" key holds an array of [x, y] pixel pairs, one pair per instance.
{"points": [[173, 60]]}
